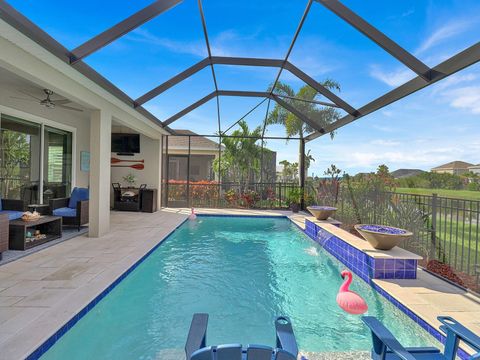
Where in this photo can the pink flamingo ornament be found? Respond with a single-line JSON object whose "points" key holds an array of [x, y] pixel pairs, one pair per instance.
{"points": [[192, 216], [348, 300]]}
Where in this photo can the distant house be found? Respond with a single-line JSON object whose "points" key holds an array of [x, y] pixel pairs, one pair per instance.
{"points": [[404, 173], [203, 152], [474, 169], [454, 167]]}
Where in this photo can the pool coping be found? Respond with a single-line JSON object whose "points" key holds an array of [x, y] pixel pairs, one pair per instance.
{"points": [[47, 344]]}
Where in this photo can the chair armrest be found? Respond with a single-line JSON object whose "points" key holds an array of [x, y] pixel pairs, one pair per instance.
{"points": [[383, 339], [58, 203], [197, 335], [82, 207], [16, 205], [285, 336], [453, 328]]}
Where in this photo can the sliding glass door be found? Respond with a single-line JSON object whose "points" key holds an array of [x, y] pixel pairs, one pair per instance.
{"points": [[35, 161], [57, 164], [20, 159]]}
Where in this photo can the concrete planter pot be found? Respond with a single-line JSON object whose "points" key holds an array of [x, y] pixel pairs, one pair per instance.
{"points": [[295, 207], [322, 212], [383, 237]]}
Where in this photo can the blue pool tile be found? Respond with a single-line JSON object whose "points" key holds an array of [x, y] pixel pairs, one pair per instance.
{"points": [[399, 264], [410, 264], [389, 264], [410, 274]]}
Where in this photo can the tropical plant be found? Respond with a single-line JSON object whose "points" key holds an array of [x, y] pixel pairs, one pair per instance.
{"points": [[15, 153], [295, 196], [289, 171], [328, 189], [308, 161], [294, 126], [240, 161], [130, 179]]}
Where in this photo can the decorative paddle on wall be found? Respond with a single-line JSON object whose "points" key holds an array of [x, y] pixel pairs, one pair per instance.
{"points": [[114, 160], [134, 166]]}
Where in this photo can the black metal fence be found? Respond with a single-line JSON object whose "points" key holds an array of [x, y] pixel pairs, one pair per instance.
{"points": [[445, 229], [228, 195]]}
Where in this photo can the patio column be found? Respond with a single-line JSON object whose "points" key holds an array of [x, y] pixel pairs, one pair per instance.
{"points": [[157, 178], [100, 145], [301, 151]]}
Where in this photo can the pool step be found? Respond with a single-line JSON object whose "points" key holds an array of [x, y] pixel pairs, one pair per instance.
{"points": [[179, 354]]}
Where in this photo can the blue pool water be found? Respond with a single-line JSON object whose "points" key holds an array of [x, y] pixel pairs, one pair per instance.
{"points": [[243, 272]]}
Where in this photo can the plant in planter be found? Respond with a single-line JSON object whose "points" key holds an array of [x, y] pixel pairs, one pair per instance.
{"points": [[294, 199], [130, 179]]}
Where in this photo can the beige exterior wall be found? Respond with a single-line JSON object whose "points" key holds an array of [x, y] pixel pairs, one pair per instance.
{"points": [[35, 66]]}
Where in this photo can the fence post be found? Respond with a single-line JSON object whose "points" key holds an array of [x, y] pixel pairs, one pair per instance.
{"points": [[434, 223]]}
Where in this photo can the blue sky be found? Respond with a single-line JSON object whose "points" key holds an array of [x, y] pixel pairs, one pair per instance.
{"points": [[431, 127]]}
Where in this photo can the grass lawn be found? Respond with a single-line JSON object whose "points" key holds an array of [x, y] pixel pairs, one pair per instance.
{"points": [[457, 194]]}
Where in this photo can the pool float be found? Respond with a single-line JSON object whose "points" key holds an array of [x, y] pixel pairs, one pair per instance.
{"points": [[348, 300]]}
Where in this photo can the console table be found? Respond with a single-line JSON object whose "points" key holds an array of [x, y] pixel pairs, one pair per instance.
{"points": [[51, 226], [142, 199]]}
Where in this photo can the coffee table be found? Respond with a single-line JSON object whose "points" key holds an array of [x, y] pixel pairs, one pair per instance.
{"points": [[50, 226]]}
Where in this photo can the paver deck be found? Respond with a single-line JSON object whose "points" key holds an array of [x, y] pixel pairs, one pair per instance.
{"points": [[41, 292]]}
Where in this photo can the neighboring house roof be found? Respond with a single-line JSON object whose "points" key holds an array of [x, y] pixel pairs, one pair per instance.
{"points": [[454, 165], [196, 142], [474, 167], [403, 173]]}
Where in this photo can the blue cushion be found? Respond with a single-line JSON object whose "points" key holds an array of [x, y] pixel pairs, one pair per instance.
{"points": [[1, 204], [78, 194], [65, 212], [12, 215]]}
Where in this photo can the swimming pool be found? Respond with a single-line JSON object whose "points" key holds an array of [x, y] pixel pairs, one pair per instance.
{"points": [[244, 272]]}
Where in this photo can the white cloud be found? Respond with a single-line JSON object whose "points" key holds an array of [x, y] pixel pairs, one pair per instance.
{"points": [[183, 47], [445, 32], [382, 128], [400, 75], [415, 152], [383, 142], [392, 78], [466, 98]]}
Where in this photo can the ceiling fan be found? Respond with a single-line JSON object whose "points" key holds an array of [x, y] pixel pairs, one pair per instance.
{"points": [[48, 102]]}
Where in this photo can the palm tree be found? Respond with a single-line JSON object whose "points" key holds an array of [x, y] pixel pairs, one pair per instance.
{"points": [[241, 157], [295, 126], [308, 161]]}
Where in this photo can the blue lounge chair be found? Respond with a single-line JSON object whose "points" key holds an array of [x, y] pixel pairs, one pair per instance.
{"points": [[196, 349], [387, 347]]}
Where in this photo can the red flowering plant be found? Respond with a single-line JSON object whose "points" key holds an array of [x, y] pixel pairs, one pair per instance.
{"points": [[249, 198], [200, 191]]}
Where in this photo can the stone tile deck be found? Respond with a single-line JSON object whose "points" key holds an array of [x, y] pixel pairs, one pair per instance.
{"points": [[41, 292]]}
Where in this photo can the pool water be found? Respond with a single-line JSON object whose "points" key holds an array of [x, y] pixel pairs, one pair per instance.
{"points": [[244, 272]]}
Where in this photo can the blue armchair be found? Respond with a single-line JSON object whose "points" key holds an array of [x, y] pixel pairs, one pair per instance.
{"points": [[387, 347], [196, 349], [73, 210]]}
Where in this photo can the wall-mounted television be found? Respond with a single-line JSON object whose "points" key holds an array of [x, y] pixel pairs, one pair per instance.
{"points": [[126, 143]]}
